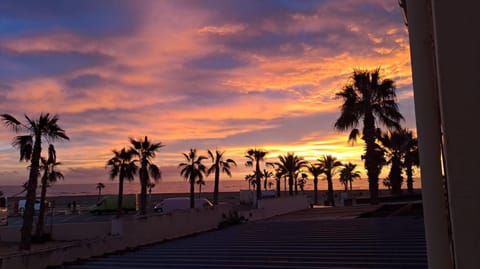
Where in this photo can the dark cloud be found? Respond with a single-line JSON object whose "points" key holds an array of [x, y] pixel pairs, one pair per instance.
{"points": [[33, 64], [217, 61], [86, 81], [86, 17]]}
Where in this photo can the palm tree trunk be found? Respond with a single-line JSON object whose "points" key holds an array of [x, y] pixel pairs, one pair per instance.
{"points": [[26, 231], [143, 197], [330, 190], [192, 192], [120, 195], [258, 182], [371, 164], [265, 183], [41, 213], [315, 190], [409, 172], [216, 185], [395, 176], [290, 184], [350, 185]]}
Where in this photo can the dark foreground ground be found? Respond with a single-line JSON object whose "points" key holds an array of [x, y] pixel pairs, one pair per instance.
{"points": [[314, 238]]}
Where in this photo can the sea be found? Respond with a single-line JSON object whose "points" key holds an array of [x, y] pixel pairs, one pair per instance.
{"points": [[111, 187]]}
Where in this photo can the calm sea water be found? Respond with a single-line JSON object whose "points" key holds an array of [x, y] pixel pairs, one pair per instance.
{"points": [[65, 189]]}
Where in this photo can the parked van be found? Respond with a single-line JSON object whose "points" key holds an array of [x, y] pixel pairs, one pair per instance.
{"points": [[109, 204], [177, 203], [23, 202]]}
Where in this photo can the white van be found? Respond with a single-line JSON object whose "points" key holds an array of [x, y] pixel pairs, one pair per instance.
{"points": [[178, 203]]}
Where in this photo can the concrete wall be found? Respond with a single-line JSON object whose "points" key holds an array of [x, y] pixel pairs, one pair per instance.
{"points": [[276, 206]]}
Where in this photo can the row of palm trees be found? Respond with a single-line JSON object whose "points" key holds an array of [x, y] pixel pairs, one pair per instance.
{"points": [[292, 166]]}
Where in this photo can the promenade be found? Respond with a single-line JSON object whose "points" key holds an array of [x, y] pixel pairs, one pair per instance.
{"points": [[313, 238]]}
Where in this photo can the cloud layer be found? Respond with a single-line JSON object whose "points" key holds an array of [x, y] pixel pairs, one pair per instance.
{"points": [[192, 74]]}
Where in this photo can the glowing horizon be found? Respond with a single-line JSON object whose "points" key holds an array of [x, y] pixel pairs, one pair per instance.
{"points": [[230, 75]]}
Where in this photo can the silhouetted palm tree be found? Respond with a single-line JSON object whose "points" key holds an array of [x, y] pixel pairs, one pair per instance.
{"points": [[266, 175], [316, 170], [99, 187], [330, 166], [123, 166], [145, 151], [50, 176], [348, 174], [278, 179], [372, 99], [30, 146], [255, 156], [192, 170], [411, 159], [302, 182], [219, 165], [289, 165], [250, 178]]}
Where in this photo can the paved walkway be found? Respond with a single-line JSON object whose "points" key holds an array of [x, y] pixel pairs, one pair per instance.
{"points": [[300, 240]]}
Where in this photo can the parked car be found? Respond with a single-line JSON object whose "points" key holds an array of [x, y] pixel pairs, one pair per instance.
{"points": [[178, 203]]}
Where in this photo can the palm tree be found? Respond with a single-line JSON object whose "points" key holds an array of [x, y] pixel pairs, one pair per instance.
{"points": [[123, 166], [348, 174], [278, 179], [395, 145], [374, 100], [255, 156], [192, 170], [30, 146], [200, 183], [145, 151], [219, 165], [315, 170], [302, 182], [150, 187], [289, 165], [266, 175], [50, 176], [330, 166], [250, 178], [99, 187], [411, 159]]}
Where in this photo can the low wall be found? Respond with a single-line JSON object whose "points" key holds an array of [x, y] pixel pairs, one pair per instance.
{"points": [[120, 234], [276, 206]]}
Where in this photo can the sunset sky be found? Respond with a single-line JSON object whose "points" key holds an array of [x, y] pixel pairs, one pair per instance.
{"points": [[192, 74]]}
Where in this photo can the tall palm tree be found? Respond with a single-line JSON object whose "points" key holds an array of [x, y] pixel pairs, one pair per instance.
{"points": [[192, 170], [411, 159], [289, 165], [50, 176], [219, 165], [123, 166], [255, 156], [145, 150], [99, 187], [30, 146], [330, 166], [315, 170], [372, 99], [348, 174]]}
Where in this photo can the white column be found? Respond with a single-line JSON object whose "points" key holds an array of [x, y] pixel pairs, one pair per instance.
{"points": [[429, 133], [457, 39]]}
